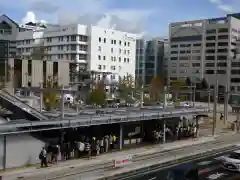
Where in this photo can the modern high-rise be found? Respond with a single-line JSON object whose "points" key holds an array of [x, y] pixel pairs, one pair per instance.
{"points": [[150, 59], [205, 49], [71, 48]]}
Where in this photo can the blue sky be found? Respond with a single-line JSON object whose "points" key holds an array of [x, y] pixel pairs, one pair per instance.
{"points": [[149, 16]]}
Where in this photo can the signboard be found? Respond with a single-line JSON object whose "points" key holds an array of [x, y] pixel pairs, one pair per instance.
{"points": [[122, 161]]}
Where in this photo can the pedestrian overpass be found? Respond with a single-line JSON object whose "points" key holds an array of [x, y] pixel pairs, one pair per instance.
{"points": [[24, 110]]}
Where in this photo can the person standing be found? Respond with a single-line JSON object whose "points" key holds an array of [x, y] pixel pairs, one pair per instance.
{"points": [[88, 149], [43, 157], [102, 145]]}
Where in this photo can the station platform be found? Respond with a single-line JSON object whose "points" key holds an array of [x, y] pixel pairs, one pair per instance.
{"points": [[65, 166]]}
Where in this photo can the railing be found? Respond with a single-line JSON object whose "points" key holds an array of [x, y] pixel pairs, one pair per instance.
{"points": [[17, 102]]}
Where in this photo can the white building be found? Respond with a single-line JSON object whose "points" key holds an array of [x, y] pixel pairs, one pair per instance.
{"points": [[204, 49], [90, 47]]}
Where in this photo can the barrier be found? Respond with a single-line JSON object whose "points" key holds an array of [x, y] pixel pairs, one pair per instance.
{"points": [[122, 161]]}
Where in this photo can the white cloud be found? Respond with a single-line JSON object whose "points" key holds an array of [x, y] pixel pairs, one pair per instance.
{"points": [[97, 12], [228, 7], [31, 17]]}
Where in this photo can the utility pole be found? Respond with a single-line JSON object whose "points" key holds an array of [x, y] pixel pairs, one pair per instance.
{"points": [[215, 95]]}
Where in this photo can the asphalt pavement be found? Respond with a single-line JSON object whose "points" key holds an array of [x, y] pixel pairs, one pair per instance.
{"points": [[209, 169]]}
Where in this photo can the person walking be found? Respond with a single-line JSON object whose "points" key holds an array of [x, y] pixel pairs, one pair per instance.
{"points": [[43, 157], [88, 150]]}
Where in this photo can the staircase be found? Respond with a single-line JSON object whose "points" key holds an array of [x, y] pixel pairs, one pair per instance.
{"points": [[15, 105]]}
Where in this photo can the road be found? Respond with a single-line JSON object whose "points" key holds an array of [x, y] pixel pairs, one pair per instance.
{"points": [[209, 169]]}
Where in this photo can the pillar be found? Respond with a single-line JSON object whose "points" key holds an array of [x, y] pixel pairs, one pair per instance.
{"points": [[41, 98], [62, 102], [121, 137], [197, 126], [4, 152], [164, 130]]}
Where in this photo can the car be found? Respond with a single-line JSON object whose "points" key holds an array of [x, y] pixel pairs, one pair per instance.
{"points": [[231, 161]]}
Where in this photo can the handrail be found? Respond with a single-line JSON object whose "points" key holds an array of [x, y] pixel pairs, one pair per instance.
{"points": [[9, 97]]}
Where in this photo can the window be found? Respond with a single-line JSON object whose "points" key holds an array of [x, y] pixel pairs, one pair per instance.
{"points": [[99, 57], [210, 57], [104, 40], [104, 57], [174, 58], [111, 41], [210, 31], [73, 38], [223, 30], [120, 51], [211, 38], [221, 71], [29, 68], [225, 50], [211, 51], [99, 67], [223, 44], [223, 37], [115, 42], [99, 48], [128, 44], [104, 67], [210, 45], [120, 43], [209, 71], [99, 39], [209, 65], [119, 59], [174, 46], [196, 45], [113, 68], [125, 44], [73, 47], [174, 52], [111, 50], [60, 38]]}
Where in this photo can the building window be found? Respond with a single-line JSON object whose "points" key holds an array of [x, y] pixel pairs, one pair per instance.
{"points": [[120, 43], [104, 40], [104, 57], [99, 39], [119, 59], [29, 67], [99, 67], [99, 57], [104, 67], [128, 44], [99, 48], [73, 38], [113, 68], [60, 38], [125, 44], [111, 50]]}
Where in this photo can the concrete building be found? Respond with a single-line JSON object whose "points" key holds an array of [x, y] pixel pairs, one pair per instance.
{"points": [[68, 49], [8, 34], [150, 59], [205, 49]]}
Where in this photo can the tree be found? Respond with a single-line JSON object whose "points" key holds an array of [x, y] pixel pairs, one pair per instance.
{"points": [[126, 87], [98, 95], [204, 84], [51, 98], [156, 86], [176, 86]]}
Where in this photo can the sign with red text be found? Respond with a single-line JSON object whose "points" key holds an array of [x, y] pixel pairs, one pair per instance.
{"points": [[122, 161]]}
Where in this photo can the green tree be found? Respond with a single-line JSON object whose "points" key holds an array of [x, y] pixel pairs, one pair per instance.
{"points": [[176, 86], [155, 89], [126, 87], [98, 95], [51, 98]]}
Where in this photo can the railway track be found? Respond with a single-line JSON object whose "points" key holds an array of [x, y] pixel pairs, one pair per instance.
{"points": [[102, 168]]}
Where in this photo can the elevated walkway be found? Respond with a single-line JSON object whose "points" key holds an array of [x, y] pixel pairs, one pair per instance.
{"points": [[15, 105]]}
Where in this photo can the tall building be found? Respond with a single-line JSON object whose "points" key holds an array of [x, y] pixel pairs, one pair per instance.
{"points": [[8, 34], [205, 49], [71, 48], [150, 59]]}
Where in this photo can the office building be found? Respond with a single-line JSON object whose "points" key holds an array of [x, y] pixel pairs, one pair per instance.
{"points": [[8, 34], [150, 59], [71, 48], [205, 49]]}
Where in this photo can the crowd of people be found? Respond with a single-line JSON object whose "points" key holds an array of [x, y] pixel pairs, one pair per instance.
{"points": [[51, 153], [177, 133]]}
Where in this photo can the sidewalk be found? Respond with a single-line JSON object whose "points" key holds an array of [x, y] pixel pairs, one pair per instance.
{"points": [[105, 158]]}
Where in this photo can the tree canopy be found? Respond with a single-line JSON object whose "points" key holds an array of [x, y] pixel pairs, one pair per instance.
{"points": [[155, 89], [98, 95], [51, 98]]}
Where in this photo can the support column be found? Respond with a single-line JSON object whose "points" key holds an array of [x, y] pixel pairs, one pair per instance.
{"points": [[121, 137], [226, 97], [4, 152], [41, 98], [197, 127], [62, 102], [164, 130]]}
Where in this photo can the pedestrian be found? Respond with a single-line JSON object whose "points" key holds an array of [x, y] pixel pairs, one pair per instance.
{"points": [[43, 157], [221, 116], [55, 154], [88, 149], [98, 147], [111, 141], [102, 145], [106, 143]]}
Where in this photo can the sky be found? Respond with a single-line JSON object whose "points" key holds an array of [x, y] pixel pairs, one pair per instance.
{"points": [[150, 17]]}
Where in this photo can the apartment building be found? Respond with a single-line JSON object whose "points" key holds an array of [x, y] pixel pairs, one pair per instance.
{"points": [[150, 59], [68, 49], [205, 49]]}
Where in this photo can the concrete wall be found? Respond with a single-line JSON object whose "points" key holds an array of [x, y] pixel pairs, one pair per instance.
{"points": [[63, 73], [37, 72], [21, 150]]}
